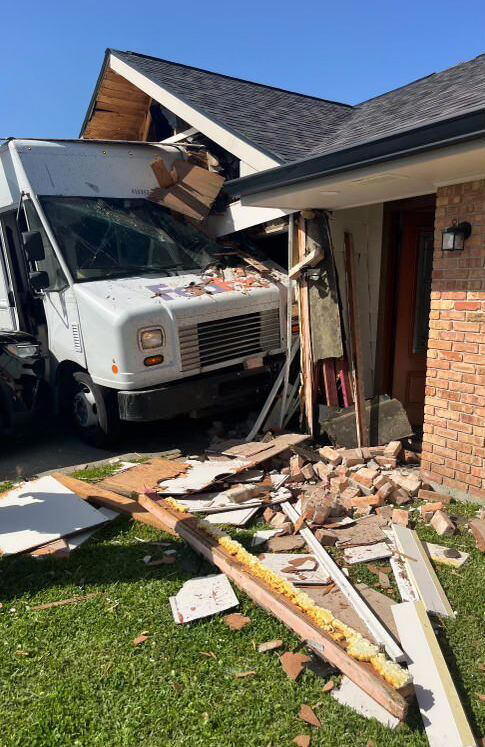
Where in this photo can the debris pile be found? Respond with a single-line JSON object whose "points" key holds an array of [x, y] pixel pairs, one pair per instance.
{"points": [[324, 509]]}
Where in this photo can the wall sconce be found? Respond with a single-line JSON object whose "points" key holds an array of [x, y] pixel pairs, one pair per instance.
{"points": [[454, 237]]}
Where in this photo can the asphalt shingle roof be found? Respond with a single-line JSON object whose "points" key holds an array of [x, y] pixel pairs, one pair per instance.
{"points": [[454, 91], [292, 126], [282, 124]]}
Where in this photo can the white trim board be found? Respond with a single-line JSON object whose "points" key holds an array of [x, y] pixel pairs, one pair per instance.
{"points": [[420, 571], [238, 217], [235, 145], [443, 716]]}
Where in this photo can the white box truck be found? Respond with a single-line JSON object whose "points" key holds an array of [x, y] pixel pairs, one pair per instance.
{"points": [[109, 283]]}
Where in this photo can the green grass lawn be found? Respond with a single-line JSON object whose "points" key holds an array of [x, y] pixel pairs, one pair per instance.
{"points": [[71, 676]]}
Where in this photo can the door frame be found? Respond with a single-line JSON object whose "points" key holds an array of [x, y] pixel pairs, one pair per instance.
{"points": [[386, 325]]}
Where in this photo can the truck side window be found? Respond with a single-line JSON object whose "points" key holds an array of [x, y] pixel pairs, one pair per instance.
{"points": [[50, 264]]}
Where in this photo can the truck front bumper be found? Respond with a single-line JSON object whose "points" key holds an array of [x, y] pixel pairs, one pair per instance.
{"points": [[196, 395]]}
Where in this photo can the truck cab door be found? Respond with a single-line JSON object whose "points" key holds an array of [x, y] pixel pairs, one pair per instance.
{"points": [[8, 311]]}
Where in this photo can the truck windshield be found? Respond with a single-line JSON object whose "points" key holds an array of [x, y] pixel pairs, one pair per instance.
{"points": [[106, 238]]}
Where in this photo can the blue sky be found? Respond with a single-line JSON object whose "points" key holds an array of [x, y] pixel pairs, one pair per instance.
{"points": [[346, 50]]}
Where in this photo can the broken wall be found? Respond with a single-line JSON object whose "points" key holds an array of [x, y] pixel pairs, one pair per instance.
{"points": [[365, 224]]}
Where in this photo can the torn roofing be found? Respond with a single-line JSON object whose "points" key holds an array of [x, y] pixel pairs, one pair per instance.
{"points": [[282, 124]]}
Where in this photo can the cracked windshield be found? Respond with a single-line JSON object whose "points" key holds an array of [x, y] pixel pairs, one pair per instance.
{"points": [[108, 238]]}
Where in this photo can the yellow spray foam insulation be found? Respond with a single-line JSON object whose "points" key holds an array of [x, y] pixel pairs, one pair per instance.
{"points": [[357, 646]]}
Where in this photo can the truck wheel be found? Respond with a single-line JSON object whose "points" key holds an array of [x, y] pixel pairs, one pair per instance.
{"points": [[94, 411]]}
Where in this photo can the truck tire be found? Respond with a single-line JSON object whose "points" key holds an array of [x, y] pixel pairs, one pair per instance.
{"points": [[94, 411]]}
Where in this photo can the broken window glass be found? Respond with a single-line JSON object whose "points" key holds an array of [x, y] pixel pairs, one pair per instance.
{"points": [[112, 237]]}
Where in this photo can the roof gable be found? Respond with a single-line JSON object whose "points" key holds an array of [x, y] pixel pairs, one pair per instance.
{"points": [[283, 124]]}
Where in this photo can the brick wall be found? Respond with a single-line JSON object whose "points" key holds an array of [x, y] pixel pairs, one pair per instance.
{"points": [[454, 421]]}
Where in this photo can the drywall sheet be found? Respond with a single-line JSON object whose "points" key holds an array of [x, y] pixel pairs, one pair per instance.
{"points": [[364, 554], [42, 511], [351, 695], [202, 597], [78, 539]]}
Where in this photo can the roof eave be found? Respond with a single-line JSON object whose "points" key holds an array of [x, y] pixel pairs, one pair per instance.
{"points": [[92, 102], [468, 126]]}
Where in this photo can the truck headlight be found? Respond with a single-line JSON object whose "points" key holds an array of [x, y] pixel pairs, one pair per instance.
{"points": [[23, 350], [150, 339]]}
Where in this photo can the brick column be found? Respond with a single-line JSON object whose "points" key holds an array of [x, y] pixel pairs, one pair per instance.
{"points": [[454, 420]]}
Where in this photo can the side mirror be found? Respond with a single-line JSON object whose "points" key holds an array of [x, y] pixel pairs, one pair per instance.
{"points": [[33, 245], [39, 280]]}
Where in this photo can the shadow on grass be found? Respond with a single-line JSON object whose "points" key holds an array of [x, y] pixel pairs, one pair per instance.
{"points": [[103, 560]]}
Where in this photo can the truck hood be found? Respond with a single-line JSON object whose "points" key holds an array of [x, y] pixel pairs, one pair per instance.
{"points": [[182, 296]]}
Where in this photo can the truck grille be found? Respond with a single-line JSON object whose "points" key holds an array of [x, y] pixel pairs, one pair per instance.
{"points": [[208, 343]]}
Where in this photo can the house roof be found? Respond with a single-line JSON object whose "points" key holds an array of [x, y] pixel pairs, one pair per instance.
{"points": [[455, 91], [442, 109], [283, 124]]}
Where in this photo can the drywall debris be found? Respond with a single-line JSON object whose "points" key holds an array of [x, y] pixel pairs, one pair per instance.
{"points": [[202, 597]]}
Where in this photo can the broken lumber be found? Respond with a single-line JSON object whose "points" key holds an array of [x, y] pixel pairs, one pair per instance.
{"points": [[187, 189], [380, 634], [276, 604], [443, 716], [101, 497]]}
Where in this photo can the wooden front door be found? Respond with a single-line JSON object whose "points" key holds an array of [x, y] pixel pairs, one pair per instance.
{"points": [[413, 289]]}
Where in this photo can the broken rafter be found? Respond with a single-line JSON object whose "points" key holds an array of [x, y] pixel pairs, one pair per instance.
{"points": [[359, 672]]}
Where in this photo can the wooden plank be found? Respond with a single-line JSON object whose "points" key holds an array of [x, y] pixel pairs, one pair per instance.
{"points": [[357, 355], [329, 381], [420, 571], [278, 446], [101, 497], [121, 106], [305, 334], [143, 476], [359, 672], [374, 625], [117, 120], [443, 716]]}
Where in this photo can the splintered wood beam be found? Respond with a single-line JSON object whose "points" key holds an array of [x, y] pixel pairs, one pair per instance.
{"points": [[100, 497], [359, 672], [356, 357]]}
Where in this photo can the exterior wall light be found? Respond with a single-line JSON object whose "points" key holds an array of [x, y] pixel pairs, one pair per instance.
{"points": [[454, 237]]}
